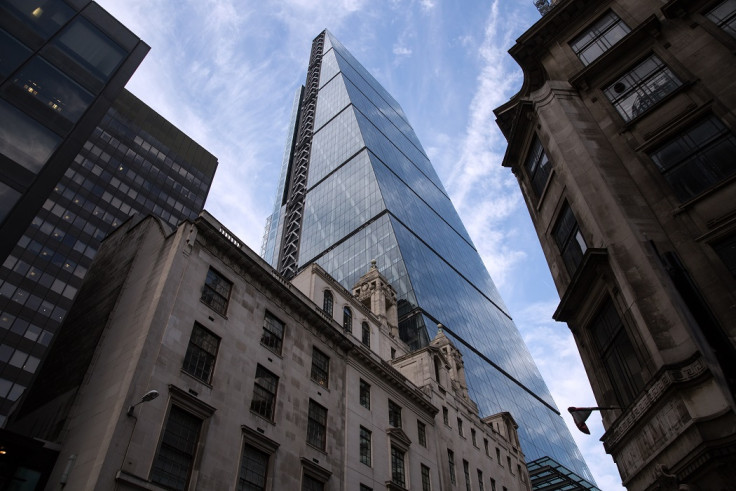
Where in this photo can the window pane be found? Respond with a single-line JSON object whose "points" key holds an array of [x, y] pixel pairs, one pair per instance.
{"points": [[175, 457], [12, 54], [724, 16], [199, 360], [253, 469], [89, 46], [43, 16], [8, 198], [599, 37], [46, 90], [316, 425], [23, 140]]}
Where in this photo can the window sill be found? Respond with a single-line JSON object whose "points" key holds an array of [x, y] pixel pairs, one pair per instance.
{"points": [[136, 481], [263, 418], [325, 387], [277, 353], [224, 316], [320, 450], [197, 379]]}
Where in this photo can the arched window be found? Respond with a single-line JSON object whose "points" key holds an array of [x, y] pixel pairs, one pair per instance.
{"points": [[347, 319], [365, 334], [327, 302]]}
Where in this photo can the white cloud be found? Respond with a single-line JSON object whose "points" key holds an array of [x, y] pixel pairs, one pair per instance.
{"points": [[401, 50]]}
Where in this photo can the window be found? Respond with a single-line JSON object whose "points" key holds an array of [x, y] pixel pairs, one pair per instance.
{"points": [[451, 464], [327, 302], [397, 467], [445, 416], [365, 446], [485, 445], [393, 353], [599, 37], [724, 16], [726, 250], [508, 463], [347, 319], [363, 487], [466, 471], [698, 158], [480, 481], [617, 354], [426, 484], [472, 436], [538, 167], [316, 425], [422, 433], [273, 333], [91, 48], [569, 239], [460, 427], [641, 88], [493, 484], [264, 393], [498, 457], [253, 469], [365, 394], [216, 291], [310, 483], [173, 462], [437, 369], [394, 414], [199, 361], [365, 336], [320, 367]]}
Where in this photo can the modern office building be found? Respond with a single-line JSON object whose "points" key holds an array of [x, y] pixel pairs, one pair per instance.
{"points": [[622, 139], [133, 162], [261, 383], [356, 186]]}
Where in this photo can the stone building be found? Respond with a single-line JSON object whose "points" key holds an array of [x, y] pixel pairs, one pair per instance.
{"points": [[622, 141], [261, 383]]}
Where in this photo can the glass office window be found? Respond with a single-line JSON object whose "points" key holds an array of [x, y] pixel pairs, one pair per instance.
{"points": [[23, 140], [641, 88], [44, 17], [724, 16], [91, 48], [8, 198], [599, 37], [12, 54]]}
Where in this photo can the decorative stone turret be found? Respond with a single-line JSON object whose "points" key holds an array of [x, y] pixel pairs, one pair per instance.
{"points": [[375, 292], [455, 359]]}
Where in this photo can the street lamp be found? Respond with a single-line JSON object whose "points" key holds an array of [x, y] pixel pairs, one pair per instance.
{"points": [[148, 396]]}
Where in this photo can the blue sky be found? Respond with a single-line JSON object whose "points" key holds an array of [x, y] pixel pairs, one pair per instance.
{"points": [[225, 72]]}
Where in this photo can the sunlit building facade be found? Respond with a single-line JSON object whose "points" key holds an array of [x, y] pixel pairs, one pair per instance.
{"points": [[357, 186]]}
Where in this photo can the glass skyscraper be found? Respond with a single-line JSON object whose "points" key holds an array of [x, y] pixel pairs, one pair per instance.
{"points": [[356, 185]]}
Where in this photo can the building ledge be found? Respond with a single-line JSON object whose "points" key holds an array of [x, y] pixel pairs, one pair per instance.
{"points": [[595, 262], [136, 482]]}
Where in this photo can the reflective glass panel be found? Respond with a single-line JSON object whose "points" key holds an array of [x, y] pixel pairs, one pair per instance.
{"points": [[89, 46], [12, 54], [24, 140]]}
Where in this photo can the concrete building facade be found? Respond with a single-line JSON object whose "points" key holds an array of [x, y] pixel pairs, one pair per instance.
{"points": [[622, 140], [262, 383]]}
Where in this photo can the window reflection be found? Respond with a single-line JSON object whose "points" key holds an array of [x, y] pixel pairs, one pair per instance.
{"points": [[8, 198], [44, 88], [43, 16], [23, 140], [90, 47], [12, 54]]}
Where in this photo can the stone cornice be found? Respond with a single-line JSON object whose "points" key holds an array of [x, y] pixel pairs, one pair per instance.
{"points": [[665, 379]]}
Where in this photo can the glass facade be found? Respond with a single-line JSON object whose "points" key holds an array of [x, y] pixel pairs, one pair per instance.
{"points": [[134, 162], [372, 193]]}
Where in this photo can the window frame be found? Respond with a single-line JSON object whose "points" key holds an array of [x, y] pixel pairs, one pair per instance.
{"points": [[190, 365], [328, 302], [538, 167], [422, 433], [320, 371], [571, 255], [244, 469], [451, 465], [210, 287], [271, 339], [365, 334], [168, 449], [599, 38], [317, 425], [726, 24], [426, 478], [270, 403], [347, 319], [398, 466], [394, 414], [364, 394], [365, 446]]}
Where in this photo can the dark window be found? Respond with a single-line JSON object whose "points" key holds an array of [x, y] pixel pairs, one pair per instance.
{"points": [[437, 369], [14, 53], [216, 291], [365, 446], [365, 334], [599, 37], [173, 463], [493, 484], [45, 17], [90, 48], [363, 487], [485, 445], [451, 464], [264, 393], [617, 354], [641, 88], [508, 463], [724, 16], [426, 483], [422, 433], [698, 158], [466, 471], [480, 481], [393, 353], [726, 250], [394, 414], [498, 457], [253, 469], [327, 302], [569, 239], [365, 394], [273, 333], [309, 483], [472, 436], [201, 353], [347, 319], [316, 425], [397, 467], [320, 367], [460, 426], [538, 167], [24, 140], [445, 416]]}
